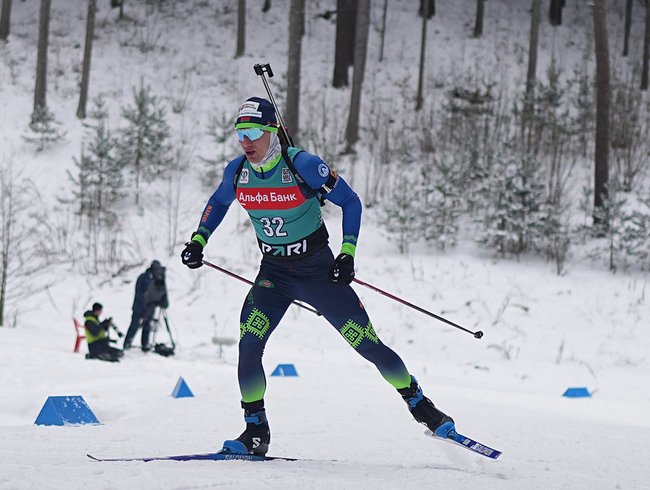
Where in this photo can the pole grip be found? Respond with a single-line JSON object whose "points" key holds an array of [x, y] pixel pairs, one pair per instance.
{"points": [[283, 134], [261, 68]]}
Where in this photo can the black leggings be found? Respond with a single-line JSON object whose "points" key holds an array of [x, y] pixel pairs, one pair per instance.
{"points": [[278, 283]]}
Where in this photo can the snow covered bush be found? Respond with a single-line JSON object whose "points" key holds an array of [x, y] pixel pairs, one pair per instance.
{"points": [[514, 216]]}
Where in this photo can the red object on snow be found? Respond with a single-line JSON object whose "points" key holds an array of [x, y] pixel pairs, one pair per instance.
{"points": [[80, 330]]}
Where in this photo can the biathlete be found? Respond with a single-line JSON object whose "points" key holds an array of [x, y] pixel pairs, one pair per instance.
{"points": [[281, 188]]}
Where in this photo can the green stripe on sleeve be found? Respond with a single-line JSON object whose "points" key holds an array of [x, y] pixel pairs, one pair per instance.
{"points": [[348, 248], [199, 239]]}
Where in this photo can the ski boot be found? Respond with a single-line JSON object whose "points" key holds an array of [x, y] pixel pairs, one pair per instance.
{"points": [[425, 412], [257, 436]]}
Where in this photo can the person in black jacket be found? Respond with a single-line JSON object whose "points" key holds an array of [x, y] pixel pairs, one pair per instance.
{"points": [[97, 336], [150, 292]]}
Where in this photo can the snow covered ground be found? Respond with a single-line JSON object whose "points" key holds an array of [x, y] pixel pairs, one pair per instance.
{"points": [[543, 333]]}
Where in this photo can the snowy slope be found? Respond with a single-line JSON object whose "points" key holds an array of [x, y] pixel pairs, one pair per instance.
{"points": [[543, 333], [340, 409]]}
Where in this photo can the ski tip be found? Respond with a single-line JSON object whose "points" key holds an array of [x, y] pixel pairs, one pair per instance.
{"points": [[92, 457]]}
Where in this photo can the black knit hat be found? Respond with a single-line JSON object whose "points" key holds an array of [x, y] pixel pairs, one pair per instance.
{"points": [[255, 112], [97, 306]]}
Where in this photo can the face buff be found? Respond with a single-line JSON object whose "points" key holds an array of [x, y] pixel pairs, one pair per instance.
{"points": [[274, 150]]}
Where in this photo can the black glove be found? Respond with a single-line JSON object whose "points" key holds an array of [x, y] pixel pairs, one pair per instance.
{"points": [[105, 324], [342, 271], [192, 255]]}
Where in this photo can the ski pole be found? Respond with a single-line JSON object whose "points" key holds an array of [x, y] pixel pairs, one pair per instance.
{"points": [[478, 334], [285, 139], [243, 279]]}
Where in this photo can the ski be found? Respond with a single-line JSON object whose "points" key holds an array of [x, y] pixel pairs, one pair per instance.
{"points": [[468, 443], [452, 437], [220, 456]]}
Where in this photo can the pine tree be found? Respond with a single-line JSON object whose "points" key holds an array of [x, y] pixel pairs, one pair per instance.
{"points": [[442, 206], [583, 102], [515, 213], [626, 227], [101, 152], [144, 145], [221, 132], [556, 236], [44, 128], [636, 234], [400, 211], [99, 182]]}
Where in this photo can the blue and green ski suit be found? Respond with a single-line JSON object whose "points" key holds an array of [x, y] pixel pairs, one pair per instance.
{"points": [[296, 259]]}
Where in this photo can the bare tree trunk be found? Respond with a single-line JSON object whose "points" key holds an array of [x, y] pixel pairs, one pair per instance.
{"points": [[430, 6], [7, 217], [531, 77], [41, 62], [480, 14], [383, 31], [555, 12], [646, 48], [603, 100], [137, 165], [120, 4], [4, 264], [5, 20], [346, 21], [296, 32], [88, 49], [241, 28], [423, 44], [628, 25], [360, 48]]}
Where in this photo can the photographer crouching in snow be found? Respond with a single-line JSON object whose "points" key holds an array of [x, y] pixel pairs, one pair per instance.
{"points": [[97, 336]]}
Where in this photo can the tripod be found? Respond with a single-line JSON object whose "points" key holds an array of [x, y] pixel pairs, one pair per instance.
{"points": [[160, 348]]}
